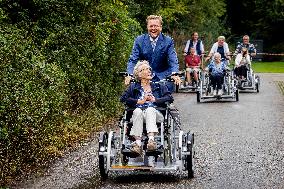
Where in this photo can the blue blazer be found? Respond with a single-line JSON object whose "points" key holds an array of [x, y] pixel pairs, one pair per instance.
{"points": [[163, 60]]}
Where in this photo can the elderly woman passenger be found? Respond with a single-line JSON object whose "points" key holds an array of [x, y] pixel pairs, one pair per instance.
{"points": [[241, 62], [144, 96], [217, 69]]}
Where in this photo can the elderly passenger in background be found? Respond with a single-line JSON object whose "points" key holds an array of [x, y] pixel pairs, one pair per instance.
{"points": [[246, 44], [222, 48], [217, 69], [241, 62], [196, 43], [192, 63]]}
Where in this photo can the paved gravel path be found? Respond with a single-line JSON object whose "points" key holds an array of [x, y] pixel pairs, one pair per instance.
{"points": [[238, 145]]}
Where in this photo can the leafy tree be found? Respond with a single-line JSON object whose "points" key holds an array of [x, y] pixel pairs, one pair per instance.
{"points": [[181, 18], [259, 19]]}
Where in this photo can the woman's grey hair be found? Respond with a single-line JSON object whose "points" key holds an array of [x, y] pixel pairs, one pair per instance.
{"points": [[137, 66], [217, 54]]}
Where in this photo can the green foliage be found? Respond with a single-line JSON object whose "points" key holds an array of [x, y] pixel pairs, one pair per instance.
{"points": [[261, 19], [59, 82], [59, 61], [33, 97], [268, 67], [270, 19], [182, 18]]}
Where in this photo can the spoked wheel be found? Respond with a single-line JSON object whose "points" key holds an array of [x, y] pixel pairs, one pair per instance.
{"points": [[237, 95], [257, 84], [228, 84], [207, 88], [189, 158], [177, 88], [103, 140], [198, 96], [125, 158], [257, 87], [167, 152]]}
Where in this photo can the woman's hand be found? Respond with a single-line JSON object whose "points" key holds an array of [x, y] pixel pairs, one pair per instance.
{"points": [[150, 98], [141, 101]]}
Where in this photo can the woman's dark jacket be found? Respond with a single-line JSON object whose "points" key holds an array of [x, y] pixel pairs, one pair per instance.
{"points": [[133, 93]]}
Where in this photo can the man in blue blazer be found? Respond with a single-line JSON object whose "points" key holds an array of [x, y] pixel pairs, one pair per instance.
{"points": [[157, 49]]}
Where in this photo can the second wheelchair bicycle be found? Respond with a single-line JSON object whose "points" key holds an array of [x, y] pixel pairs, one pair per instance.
{"points": [[229, 88]]}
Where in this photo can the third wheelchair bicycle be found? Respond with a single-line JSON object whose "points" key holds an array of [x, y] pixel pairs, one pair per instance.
{"points": [[186, 87], [251, 82]]}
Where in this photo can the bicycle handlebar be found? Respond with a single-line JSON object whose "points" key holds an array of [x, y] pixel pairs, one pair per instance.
{"points": [[167, 79], [125, 74]]}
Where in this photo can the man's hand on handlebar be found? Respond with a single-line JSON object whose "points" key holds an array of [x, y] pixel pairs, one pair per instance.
{"points": [[127, 80], [207, 58], [177, 79], [253, 54]]}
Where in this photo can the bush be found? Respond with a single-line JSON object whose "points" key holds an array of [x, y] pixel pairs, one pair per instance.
{"points": [[33, 97], [58, 76]]}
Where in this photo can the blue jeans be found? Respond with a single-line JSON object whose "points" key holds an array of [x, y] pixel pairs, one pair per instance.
{"points": [[217, 80]]}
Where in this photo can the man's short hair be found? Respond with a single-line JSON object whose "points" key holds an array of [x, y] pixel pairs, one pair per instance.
{"points": [[246, 36], [154, 17], [192, 34]]}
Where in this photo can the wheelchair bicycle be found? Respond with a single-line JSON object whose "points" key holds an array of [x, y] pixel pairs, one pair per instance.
{"points": [[229, 88], [184, 87], [174, 151], [251, 82]]}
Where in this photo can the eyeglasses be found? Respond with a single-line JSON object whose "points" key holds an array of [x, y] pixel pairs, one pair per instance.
{"points": [[154, 26], [147, 68], [245, 39]]}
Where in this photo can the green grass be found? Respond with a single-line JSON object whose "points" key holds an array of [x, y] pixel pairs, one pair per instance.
{"points": [[268, 67]]}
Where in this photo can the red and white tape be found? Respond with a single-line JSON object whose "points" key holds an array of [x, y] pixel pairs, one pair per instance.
{"points": [[271, 54]]}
